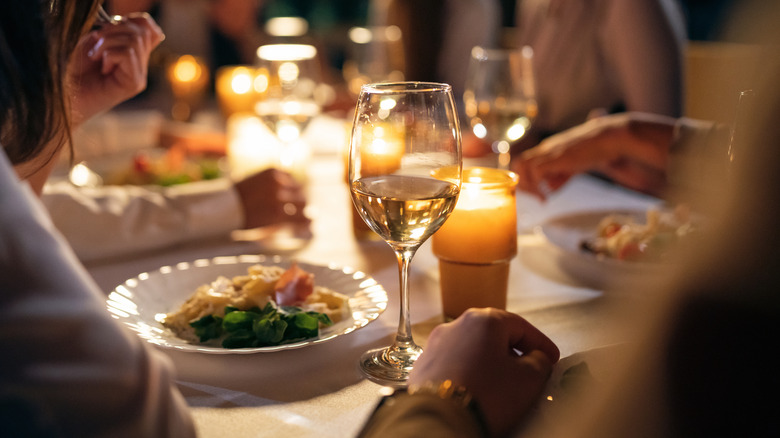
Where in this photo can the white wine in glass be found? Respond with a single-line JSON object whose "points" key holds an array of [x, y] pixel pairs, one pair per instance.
{"points": [[287, 81], [500, 97], [402, 134]]}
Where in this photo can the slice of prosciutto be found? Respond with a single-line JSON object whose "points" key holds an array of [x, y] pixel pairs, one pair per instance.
{"points": [[293, 286]]}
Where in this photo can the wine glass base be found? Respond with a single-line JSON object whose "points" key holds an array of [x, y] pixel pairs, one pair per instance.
{"points": [[380, 366]]}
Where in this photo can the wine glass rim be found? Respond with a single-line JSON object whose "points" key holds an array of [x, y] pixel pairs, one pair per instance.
{"points": [[405, 87], [486, 53], [286, 52]]}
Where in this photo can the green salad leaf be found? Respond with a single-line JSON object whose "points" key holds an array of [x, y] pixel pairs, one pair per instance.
{"points": [[257, 327]]}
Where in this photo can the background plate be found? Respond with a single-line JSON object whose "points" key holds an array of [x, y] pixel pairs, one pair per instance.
{"points": [[568, 231]]}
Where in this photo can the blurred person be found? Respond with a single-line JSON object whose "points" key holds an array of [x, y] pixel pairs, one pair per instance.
{"points": [[589, 58], [116, 220], [71, 370], [604, 57], [111, 221], [438, 35], [696, 366]]}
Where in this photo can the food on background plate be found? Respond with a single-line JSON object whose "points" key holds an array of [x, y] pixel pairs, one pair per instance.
{"points": [[621, 237], [173, 166], [268, 306]]}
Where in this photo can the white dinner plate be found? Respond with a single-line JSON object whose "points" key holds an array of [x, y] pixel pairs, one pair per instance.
{"points": [[140, 302], [567, 232]]}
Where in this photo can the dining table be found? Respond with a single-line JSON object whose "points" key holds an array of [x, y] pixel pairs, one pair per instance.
{"points": [[318, 390]]}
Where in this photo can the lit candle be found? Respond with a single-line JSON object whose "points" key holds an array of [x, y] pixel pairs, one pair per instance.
{"points": [[477, 242], [483, 226], [383, 154], [239, 88], [188, 77], [251, 146]]}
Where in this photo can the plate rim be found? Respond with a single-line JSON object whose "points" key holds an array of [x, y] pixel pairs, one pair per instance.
{"points": [[601, 212], [376, 292]]}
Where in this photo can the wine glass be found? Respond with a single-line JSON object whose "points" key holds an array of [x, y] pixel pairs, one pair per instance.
{"points": [[402, 134], [287, 81], [375, 54], [500, 96]]}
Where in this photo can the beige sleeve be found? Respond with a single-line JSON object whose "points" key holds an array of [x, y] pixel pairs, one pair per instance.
{"points": [[405, 415], [70, 369]]}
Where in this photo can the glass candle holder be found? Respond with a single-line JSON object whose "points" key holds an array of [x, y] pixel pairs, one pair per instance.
{"points": [[382, 155], [238, 88], [188, 77], [478, 241]]}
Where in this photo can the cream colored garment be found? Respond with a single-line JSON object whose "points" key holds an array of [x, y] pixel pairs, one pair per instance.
{"points": [[68, 369], [597, 54], [117, 220]]}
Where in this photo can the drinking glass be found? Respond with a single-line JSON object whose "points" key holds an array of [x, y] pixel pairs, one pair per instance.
{"points": [[403, 133], [500, 96], [742, 116], [287, 82], [375, 54]]}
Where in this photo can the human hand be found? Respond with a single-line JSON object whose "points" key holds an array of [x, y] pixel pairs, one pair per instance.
{"points": [[271, 197], [630, 148], [110, 64], [476, 351]]}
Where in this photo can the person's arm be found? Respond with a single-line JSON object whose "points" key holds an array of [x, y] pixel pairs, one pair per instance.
{"points": [[404, 415], [630, 148], [115, 220], [643, 41], [72, 371], [477, 354], [644, 152]]}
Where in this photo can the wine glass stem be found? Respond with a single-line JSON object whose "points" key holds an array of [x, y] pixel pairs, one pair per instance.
{"points": [[504, 157], [404, 345]]}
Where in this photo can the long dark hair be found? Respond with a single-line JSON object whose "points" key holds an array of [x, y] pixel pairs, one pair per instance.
{"points": [[37, 38]]}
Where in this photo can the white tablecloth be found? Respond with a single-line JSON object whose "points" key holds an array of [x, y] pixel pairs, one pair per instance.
{"points": [[318, 391]]}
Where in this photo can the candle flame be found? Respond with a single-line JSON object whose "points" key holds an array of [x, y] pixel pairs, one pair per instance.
{"points": [[241, 82], [187, 69]]}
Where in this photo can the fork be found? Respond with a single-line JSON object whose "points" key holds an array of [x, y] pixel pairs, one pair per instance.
{"points": [[104, 17]]}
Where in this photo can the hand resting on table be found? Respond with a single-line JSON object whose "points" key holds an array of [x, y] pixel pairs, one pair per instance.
{"points": [[476, 351]]}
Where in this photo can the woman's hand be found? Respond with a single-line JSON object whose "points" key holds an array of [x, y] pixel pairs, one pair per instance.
{"points": [[272, 197], [630, 148], [477, 351], [110, 64]]}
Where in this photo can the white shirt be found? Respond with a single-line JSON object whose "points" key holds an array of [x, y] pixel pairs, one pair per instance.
{"points": [[596, 54], [116, 220], [68, 368]]}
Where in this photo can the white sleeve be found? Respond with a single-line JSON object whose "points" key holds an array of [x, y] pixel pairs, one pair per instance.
{"points": [[71, 370], [644, 41], [115, 220]]}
